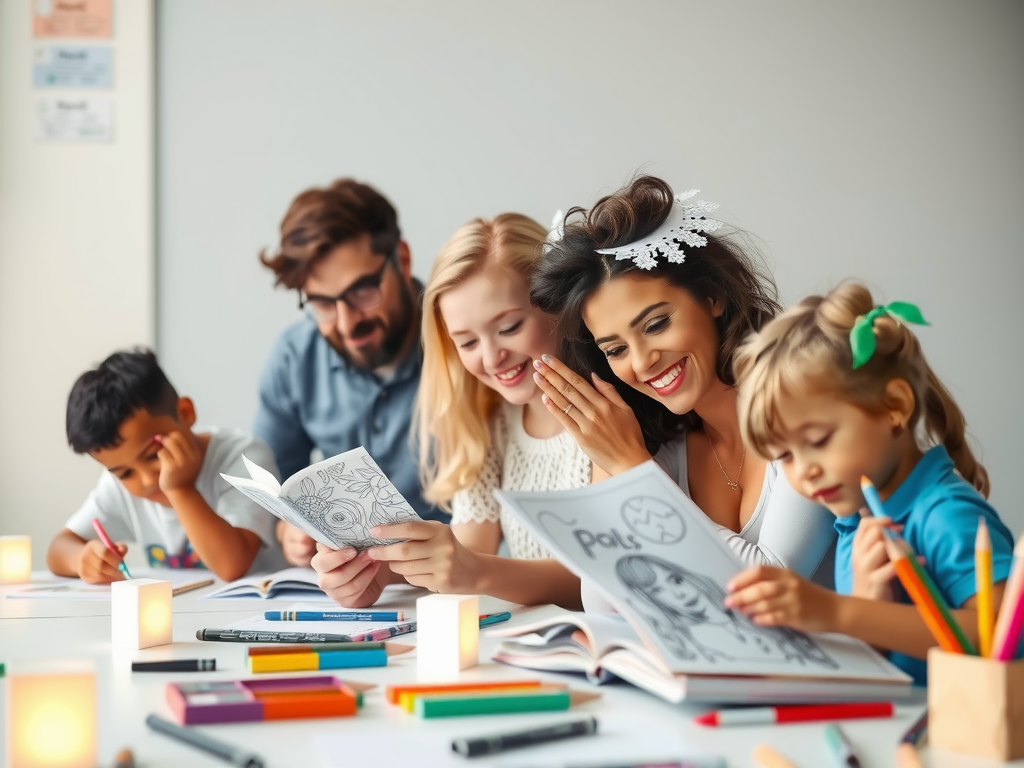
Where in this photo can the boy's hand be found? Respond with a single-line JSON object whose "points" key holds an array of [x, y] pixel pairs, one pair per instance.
{"points": [[349, 578], [872, 570], [98, 565], [298, 547], [430, 557], [776, 597], [181, 458]]}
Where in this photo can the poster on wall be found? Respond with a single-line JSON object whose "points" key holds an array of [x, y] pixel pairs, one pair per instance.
{"points": [[71, 18], [77, 119], [72, 66]]}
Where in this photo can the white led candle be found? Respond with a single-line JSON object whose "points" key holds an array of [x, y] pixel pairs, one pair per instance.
{"points": [[140, 613], [448, 635], [51, 715], [15, 559]]}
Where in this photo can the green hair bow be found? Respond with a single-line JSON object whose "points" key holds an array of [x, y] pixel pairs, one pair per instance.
{"points": [[862, 335]]}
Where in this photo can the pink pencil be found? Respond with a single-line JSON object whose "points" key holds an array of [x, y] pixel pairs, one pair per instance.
{"points": [[1011, 617]]}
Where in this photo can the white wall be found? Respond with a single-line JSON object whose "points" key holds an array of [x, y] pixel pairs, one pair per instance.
{"points": [[76, 264], [875, 139]]}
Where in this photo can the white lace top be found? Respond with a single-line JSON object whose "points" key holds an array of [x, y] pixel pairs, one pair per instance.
{"points": [[518, 462]]}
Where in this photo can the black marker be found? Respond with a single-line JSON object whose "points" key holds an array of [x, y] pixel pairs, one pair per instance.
{"points": [[254, 636], [175, 665], [201, 741], [491, 745]]}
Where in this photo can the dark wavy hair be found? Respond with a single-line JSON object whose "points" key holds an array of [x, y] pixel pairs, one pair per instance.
{"points": [[572, 271]]}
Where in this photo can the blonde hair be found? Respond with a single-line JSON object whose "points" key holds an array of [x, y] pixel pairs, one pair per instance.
{"points": [[453, 408], [807, 350]]}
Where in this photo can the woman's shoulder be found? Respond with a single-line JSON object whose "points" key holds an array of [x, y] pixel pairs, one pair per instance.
{"points": [[671, 457]]}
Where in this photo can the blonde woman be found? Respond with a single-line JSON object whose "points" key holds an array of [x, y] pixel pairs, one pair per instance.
{"points": [[482, 426], [837, 389]]}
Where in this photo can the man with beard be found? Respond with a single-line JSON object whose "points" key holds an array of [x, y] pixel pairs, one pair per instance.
{"points": [[347, 374]]}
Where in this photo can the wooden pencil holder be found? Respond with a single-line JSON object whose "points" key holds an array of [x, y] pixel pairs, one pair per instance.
{"points": [[976, 705]]}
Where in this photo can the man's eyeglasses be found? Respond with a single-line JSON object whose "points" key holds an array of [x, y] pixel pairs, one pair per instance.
{"points": [[364, 294]]}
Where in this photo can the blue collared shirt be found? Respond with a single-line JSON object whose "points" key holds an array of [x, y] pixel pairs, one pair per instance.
{"points": [[310, 397], [939, 512]]}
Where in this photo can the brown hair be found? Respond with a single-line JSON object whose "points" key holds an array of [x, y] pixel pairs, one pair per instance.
{"points": [[321, 219], [572, 271], [807, 349]]}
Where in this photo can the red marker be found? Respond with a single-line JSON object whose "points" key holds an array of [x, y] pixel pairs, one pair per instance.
{"points": [[796, 714], [110, 545]]}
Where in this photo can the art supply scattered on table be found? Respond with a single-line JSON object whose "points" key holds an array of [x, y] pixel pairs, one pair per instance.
{"points": [[216, 747], [175, 665], [124, 759], [766, 757], [184, 588], [284, 658], [983, 587], [334, 615], [1010, 622], [277, 698], [800, 713], [841, 748], [256, 636], [916, 732], [544, 698], [486, 619], [98, 527], [502, 742], [907, 757], [405, 695]]}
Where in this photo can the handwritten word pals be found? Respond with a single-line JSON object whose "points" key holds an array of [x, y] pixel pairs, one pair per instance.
{"points": [[610, 540]]}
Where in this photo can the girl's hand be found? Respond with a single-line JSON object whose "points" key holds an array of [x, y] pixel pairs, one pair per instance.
{"points": [[98, 565], [430, 557], [349, 578], [181, 458], [297, 546], [873, 572], [773, 597], [599, 420]]}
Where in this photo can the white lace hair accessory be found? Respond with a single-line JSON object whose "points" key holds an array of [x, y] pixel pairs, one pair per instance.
{"points": [[682, 226], [557, 229]]}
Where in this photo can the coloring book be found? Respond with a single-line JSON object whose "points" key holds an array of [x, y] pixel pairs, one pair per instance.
{"points": [[336, 501], [658, 559]]}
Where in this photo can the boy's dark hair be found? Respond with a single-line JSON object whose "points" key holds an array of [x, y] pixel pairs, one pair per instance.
{"points": [[104, 397], [572, 271], [321, 219]]}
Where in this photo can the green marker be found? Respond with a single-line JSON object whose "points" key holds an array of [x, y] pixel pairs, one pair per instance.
{"points": [[842, 750], [505, 702]]}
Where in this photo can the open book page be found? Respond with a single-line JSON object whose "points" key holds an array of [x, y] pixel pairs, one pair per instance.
{"points": [[335, 501], [289, 582], [58, 587], [659, 560]]}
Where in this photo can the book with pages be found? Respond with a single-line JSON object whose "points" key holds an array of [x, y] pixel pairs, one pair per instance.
{"points": [[335, 501], [655, 556], [291, 582]]}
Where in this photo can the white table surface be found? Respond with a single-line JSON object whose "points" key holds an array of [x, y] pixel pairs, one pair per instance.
{"points": [[75, 629]]}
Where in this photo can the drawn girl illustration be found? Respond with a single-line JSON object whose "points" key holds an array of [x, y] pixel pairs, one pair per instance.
{"points": [[694, 620]]}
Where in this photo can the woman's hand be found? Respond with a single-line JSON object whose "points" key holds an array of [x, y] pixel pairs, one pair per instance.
{"points": [[597, 417], [351, 579], [773, 597], [429, 557]]}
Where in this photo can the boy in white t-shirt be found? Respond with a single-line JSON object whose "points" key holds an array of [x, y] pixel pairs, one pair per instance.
{"points": [[162, 488]]}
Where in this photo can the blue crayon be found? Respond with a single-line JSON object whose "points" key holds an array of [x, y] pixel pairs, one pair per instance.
{"points": [[494, 618]]}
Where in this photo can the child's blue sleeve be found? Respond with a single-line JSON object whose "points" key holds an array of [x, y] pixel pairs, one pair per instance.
{"points": [[947, 543]]}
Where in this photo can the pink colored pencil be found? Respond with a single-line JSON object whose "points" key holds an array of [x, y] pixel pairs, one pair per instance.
{"points": [[1011, 617]]}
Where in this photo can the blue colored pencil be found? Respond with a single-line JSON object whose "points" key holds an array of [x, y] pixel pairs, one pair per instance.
{"points": [[494, 618], [334, 615]]}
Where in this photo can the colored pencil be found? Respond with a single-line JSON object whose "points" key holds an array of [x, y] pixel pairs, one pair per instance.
{"points": [[940, 603], [487, 619], [190, 587], [842, 749], [766, 757], [98, 527], [393, 692], [922, 599], [334, 615], [983, 587], [407, 699], [907, 757], [916, 732], [543, 699], [1011, 615], [795, 714]]}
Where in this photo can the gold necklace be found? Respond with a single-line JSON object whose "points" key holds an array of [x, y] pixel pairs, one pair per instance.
{"points": [[733, 484]]}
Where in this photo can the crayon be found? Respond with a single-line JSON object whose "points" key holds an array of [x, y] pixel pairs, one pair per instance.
{"points": [[175, 665], [543, 699], [494, 618], [502, 742]]}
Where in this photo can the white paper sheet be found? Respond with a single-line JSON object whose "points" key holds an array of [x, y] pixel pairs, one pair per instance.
{"points": [[58, 588]]}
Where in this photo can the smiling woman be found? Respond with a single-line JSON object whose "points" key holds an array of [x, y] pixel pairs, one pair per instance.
{"points": [[652, 302]]}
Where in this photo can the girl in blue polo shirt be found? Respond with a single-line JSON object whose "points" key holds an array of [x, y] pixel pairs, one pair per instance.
{"points": [[836, 389]]}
